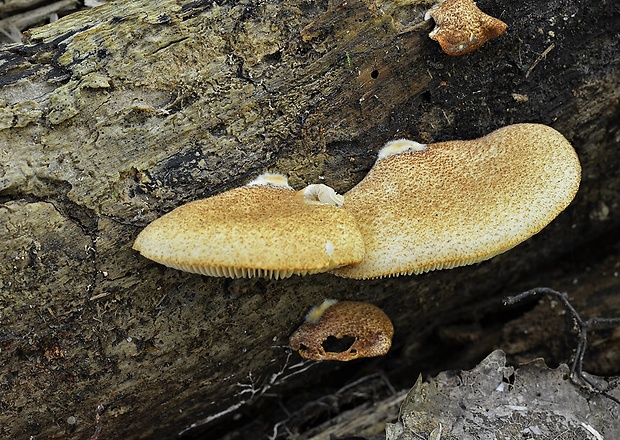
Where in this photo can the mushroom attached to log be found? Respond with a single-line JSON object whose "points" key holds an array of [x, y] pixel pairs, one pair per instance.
{"points": [[265, 228], [461, 28], [449, 204], [364, 328]]}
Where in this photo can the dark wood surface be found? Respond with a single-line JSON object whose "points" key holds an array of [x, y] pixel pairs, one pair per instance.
{"points": [[113, 116]]}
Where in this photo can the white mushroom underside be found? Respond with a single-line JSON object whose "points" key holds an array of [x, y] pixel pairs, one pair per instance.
{"points": [[323, 194], [279, 180], [240, 272], [439, 266]]}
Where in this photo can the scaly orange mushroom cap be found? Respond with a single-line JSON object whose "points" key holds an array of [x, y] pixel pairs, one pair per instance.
{"points": [[369, 328], [449, 204], [461, 27], [265, 228]]}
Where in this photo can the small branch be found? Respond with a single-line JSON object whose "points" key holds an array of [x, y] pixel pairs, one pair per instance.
{"points": [[577, 365], [539, 59], [256, 389]]}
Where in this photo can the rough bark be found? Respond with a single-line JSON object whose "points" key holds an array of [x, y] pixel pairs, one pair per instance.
{"points": [[497, 401], [113, 116]]}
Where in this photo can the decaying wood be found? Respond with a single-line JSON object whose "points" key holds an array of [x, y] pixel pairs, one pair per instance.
{"points": [[495, 400], [112, 116]]}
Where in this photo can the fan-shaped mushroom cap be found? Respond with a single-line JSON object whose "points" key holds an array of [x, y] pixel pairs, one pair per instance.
{"points": [[460, 202], [263, 229]]}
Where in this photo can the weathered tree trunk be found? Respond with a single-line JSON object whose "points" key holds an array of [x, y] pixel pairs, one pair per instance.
{"points": [[113, 116]]}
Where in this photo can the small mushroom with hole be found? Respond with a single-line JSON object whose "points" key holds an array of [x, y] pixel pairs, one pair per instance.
{"points": [[265, 229], [448, 204], [343, 331], [461, 27]]}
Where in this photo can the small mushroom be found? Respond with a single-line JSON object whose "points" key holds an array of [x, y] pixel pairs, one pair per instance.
{"points": [[364, 328], [449, 204], [460, 27], [265, 228]]}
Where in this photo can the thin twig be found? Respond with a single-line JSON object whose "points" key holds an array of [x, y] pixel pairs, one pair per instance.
{"points": [[577, 364], [541, 57], [257, 387]]}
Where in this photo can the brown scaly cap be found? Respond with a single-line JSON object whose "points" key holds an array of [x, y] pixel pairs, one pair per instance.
{"points": [[367, 324], [461, 27], [263, 229], [455, 203]]}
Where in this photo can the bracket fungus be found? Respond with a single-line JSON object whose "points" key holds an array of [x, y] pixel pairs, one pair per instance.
{"points": [[456, 203], [366, 325], [461, 27], [265, 228]]}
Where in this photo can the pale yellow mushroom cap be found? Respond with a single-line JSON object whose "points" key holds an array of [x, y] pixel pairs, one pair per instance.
{"points": [[263, 229], [460, 202]]}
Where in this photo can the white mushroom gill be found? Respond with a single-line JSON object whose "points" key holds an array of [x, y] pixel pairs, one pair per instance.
{"points": [[271, 179], [400, 146], [315, 313], [323, 194]]}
